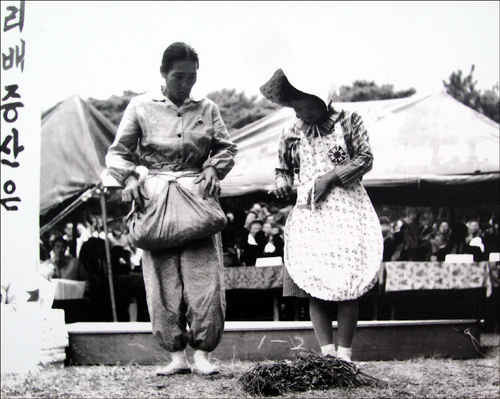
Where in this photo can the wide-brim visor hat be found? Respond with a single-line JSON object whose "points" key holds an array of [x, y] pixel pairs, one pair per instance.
{"points": [[280, 91]]}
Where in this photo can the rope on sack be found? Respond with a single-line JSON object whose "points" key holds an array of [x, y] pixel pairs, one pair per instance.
{"points": [[165, 175]]}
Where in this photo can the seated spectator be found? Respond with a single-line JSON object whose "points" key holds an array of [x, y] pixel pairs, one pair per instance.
{"points": [[117, 236], [409, 247], [269, 218], [97, 227], [439, 242], [257, 209], [490, 240], [494, 222], [83, 234], [228, 236], [275, 244], [70, 239], [458, 245], [65, 266], [251, 216], [241, 233], [52, 237], [474, 236], [260, 209], [427, 225], [253, 247], [266, 228], [62, 266]]}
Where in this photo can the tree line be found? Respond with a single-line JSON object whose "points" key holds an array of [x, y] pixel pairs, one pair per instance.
{"points": [[463, 88], [238, 110]]}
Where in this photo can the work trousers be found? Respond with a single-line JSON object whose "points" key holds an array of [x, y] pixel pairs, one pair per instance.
{"points": [[185, 287]]}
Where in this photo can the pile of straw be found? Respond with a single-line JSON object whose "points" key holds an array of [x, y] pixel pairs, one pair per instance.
{"points": [[308, 372]]}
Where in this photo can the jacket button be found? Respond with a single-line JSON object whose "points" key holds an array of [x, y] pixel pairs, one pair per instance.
{"points": [[179, 114], [179, 135]]}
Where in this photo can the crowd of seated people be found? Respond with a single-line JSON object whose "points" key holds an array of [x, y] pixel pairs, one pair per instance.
{"points": [[410, 239], [417, 237], [258, 235], [78, 252], [60, 263]]}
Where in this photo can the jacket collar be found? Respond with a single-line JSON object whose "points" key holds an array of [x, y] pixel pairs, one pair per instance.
{"points": [[325, 126], [157, 95]]}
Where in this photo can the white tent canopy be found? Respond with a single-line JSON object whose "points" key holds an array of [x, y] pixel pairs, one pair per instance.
{"points": [[418, 139]]}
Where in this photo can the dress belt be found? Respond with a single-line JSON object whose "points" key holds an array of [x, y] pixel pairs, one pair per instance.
{"points": [[174, 167]]}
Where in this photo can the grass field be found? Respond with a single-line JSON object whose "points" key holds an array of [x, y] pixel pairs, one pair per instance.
{"points": [[416, 378]]}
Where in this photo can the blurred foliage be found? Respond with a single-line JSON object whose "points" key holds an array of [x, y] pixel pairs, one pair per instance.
{"points": [[490, 103], [463, 89], [238, 110], [114, 107], [362, 90]]}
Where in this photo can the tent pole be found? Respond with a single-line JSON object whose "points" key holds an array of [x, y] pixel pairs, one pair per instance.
{"points": [[82, 198], [102, 195]]}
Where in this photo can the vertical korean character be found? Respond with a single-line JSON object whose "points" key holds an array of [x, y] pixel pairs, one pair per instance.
{"points": [[15, 18], [14, 57], [9, 188]]}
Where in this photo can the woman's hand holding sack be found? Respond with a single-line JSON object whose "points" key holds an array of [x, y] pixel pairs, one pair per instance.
{"points": [[132, 191], [209, 180]]}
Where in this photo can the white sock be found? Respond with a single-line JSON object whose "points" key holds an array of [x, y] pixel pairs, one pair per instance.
{"points": [[329, 350], [344, 353], [179, 359], [202, 364], [178, 365]]}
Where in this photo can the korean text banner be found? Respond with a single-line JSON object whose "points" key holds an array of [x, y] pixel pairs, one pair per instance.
{"points": [[20, 145]]}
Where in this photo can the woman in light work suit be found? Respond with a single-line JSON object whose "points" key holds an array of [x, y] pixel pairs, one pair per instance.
{"points": [[178, 135], [333, 239]]}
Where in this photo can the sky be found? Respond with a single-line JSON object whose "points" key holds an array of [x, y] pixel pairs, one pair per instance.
{"points": [[98, 49]]}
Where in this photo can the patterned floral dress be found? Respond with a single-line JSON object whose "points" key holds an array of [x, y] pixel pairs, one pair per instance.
{"points": [[332, 250]]}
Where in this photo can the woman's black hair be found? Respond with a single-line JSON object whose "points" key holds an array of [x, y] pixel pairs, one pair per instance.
{"points": [[291, 94], [58, 239], [459, 232], [178, 51]]}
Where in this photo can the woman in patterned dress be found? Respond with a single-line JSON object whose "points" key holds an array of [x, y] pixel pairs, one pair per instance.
{"points": [[333, 239]]}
